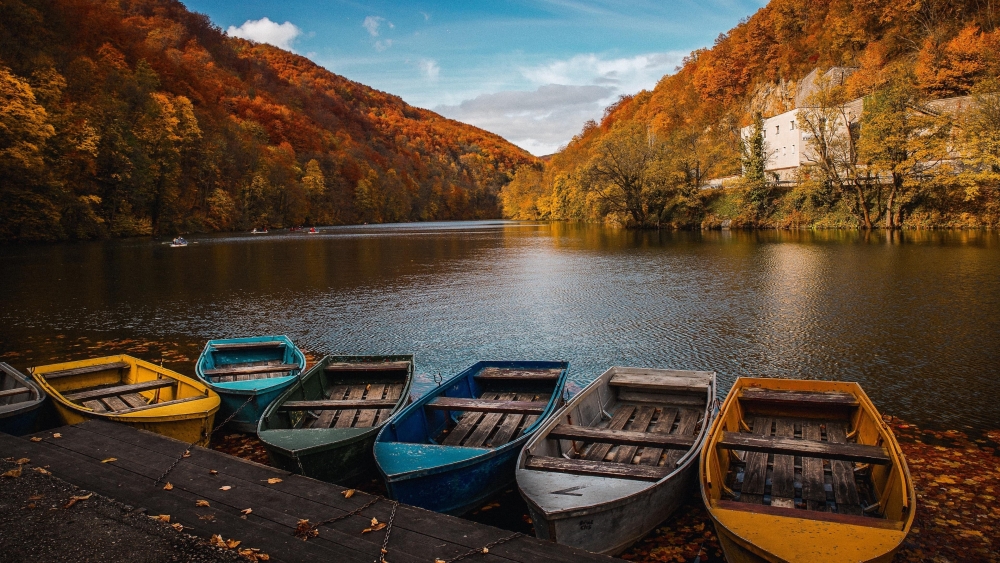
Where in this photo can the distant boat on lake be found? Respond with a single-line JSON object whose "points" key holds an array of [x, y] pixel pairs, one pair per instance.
{"points": [[255, 231], [324, 425], [249, 373], [313, 231], [457, 445], [178, 242]]}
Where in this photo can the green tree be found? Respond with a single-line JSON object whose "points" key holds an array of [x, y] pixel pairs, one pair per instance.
{"points": [[755, 184]]}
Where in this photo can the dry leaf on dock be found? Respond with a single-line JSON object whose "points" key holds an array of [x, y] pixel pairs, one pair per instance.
{"points": [[348, 493], [273, 481], [109, 460], [35, 439], [201, 503], [75, 499], [168, 486], [225, 488]]}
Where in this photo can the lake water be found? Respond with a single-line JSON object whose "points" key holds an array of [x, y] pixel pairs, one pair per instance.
{"points": [[914, 317]]}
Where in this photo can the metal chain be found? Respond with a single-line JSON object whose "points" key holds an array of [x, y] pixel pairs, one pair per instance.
{"points": [[354, 512], [388, 530], [481, 550], [210, 434]]}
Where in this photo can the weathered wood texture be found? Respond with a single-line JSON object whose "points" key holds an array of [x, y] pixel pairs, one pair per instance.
{"points": [[502, 374], [141, 457], [248, 345], [248, 370], [845, 488], [787, 445], [335, 405], [370, 366], [813, 491], [798, 398], [488, 406], [585, 434], [119, 390], [652, 382], [13, 392], [597, 468], [755, 473], [86, 369]]}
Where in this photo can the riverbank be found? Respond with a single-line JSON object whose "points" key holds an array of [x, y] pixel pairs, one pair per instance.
{"points": [[956, 475]]}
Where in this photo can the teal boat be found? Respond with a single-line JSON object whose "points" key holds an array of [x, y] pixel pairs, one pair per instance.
{"points": [[324, 425], [248, 374], [457, 445]]}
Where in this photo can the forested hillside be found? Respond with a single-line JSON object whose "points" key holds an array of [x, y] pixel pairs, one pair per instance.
{"points": [[645, 162], [135, 117]]}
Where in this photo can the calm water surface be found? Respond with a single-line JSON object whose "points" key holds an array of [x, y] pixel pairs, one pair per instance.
{"points": [[914, 317]]}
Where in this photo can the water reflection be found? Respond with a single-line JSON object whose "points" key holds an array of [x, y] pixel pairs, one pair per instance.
{"points": [[912, 316]]}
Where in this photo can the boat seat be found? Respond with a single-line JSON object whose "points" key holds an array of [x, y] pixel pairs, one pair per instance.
{"points": [[492, 428], [116, 405], [660, 384], [857, 453], [797, 399], [13, 392], [596, 468], [617, 437], [352, 406], [249, 370], [102, 392], [487, 406], [86, 369], [508, 375], [227, 346], [367, 366], [335, 405]]}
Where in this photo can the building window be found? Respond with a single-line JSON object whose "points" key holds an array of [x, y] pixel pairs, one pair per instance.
{"points": [[777, 129], [793, 126]]}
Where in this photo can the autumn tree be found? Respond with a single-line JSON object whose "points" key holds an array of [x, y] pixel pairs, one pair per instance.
{"points": [[525, 197]]}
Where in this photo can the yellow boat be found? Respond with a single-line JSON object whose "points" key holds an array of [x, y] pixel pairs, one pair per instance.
{"points": [[132, 391], [805, 471]]}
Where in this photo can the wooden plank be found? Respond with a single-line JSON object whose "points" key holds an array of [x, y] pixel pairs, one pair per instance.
{"points": [[783, 474], [392, 392], [755, 471], [845, 489], [102, 392], [487, 424], [346, 417], [86, 369], [813, 491], [809, 515], [502, 374], [466, 424], [325, 419], [530, 419], [625, 437], [367, 414], [511, 422], [247, 370], [798, 398], [367, 366], [597, 452], [687, 423], [858, 453], [595, 468], [164, 403], [327, 405], [95, 406], [13, 392], [643, 415], [133, 399], [115, 404], [248, 345], [658, 383], [651, 453], [491, 406]]}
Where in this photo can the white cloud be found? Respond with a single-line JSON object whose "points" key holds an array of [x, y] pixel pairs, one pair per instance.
{"points": [[430, 68], [427, 17], [383, 45], [372, 24], [629, 75], [266, 31]]}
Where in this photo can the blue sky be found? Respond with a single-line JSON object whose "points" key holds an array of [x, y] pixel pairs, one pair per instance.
{"points": [[532, 71]]}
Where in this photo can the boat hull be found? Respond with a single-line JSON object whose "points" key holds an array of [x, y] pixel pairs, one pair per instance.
{"points": [[19, 414], [345, 462], [247, 406]]}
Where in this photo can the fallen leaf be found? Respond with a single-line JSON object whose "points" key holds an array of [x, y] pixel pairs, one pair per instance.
{"points": [[486, 550], [187, 453], [22, 461], [304, 530], [201, 503], [76, 499], [161, 517], [231, 543], [177, 526], [13, 473], [348, 493], [35, 439], [376, 526], [212, 472], [217, 541], [374, 521], [109, 460], [273, 480], [247, 511], [57, 435], [168, 486], [42, 470], [225, 488]]}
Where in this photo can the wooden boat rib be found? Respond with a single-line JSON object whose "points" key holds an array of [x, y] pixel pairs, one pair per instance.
{"points": [[457, 445], [618, 459], [20, 398], [324, 426], [856, 501], [248, 374], [132, 391]]}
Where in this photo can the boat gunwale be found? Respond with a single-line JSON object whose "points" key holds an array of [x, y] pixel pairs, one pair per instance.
{"points": [[319, 368], [690, 455], [15, 409], [865, 404], [488, 453]]}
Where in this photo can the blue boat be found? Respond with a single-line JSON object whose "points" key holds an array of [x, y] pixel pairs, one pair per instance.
{"points": [[457, 445], [20, 398], [248, 373]]}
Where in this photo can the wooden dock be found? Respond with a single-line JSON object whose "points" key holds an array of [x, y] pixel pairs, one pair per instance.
{"points": [[81, 457]]}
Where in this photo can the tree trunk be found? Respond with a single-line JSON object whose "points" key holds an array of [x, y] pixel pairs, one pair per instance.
{"points": [[863, 206]]}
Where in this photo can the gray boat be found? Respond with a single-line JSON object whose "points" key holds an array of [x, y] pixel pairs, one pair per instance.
{"points": [[618, 459]]}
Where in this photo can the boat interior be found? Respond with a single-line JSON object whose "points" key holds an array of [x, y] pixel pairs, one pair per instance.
{"points": [[12, 389], [506, 402], [637, 424], [118, 387], [354, 395], [807, 454], [246, 361]]}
